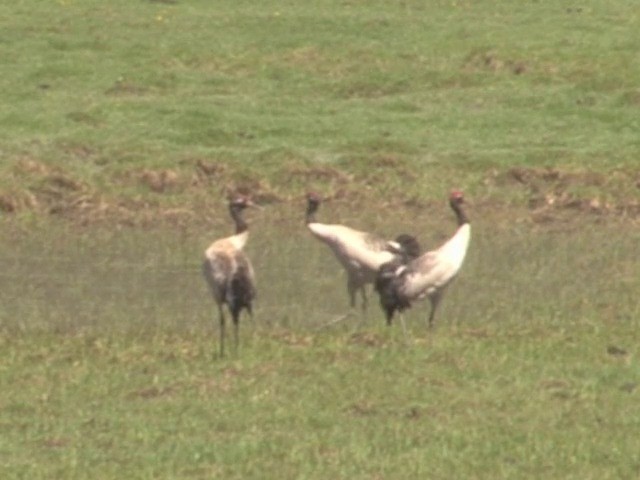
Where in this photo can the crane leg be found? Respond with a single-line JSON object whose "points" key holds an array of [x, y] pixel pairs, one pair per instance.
{"points": [[236, 326], [404, 329], [435, 301], [365, 300], [221, 315], [351, 288]]}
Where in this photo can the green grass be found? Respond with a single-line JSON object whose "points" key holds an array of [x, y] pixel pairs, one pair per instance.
{"points": [[481, 406], [124, 123], [104, 91], [107, 363]]}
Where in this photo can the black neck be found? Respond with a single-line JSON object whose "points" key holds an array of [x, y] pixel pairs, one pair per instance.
{"points": [[236, 214], [460, 215], [312, 208]]}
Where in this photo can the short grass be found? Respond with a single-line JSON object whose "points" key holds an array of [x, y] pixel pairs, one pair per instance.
{"points": [[102, 91], [123, 125], [107, 365]]}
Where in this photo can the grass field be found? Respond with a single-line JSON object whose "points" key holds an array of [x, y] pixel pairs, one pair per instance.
{"points": [[125, 99], [124, 126], [108, 364]]}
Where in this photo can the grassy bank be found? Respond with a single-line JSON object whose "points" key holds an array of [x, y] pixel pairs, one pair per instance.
{"points": [[167, 103]]}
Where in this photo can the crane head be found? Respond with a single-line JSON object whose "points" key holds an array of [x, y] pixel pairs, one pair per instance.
{"points": [[313, 197], [409, 245], [241, 202], [456, 196]]}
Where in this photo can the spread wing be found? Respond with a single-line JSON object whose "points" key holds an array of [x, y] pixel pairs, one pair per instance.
{"points": [[424, 274], [373, 242]]}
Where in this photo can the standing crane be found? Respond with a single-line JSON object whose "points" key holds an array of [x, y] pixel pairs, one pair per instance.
{"points": [[228, 271], [360, 253], [399, 284]]}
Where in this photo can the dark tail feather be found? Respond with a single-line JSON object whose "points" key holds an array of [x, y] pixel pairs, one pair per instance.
{"points": [[387, 287], [241, 291]]}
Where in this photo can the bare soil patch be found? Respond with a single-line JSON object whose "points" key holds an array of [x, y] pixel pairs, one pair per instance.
{"points": [[177, 197]]}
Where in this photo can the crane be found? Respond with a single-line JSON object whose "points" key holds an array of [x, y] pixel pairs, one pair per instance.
{"points": [[400, 283], [228, 270], [360, 253]]}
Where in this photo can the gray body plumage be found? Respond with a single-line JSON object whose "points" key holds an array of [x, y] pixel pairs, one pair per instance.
{"points": [[229, 273]]}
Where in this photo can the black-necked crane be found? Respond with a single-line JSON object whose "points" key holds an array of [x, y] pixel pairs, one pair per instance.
{"points": [[228, 271], [428, 275], [360, 253]]}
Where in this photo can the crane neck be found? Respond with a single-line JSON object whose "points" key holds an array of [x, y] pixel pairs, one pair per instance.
{"points": [[312, 208], [236, 214], [460, 214]]}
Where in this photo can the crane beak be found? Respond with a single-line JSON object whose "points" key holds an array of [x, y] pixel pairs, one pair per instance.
{"points": [[394, 247]]}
